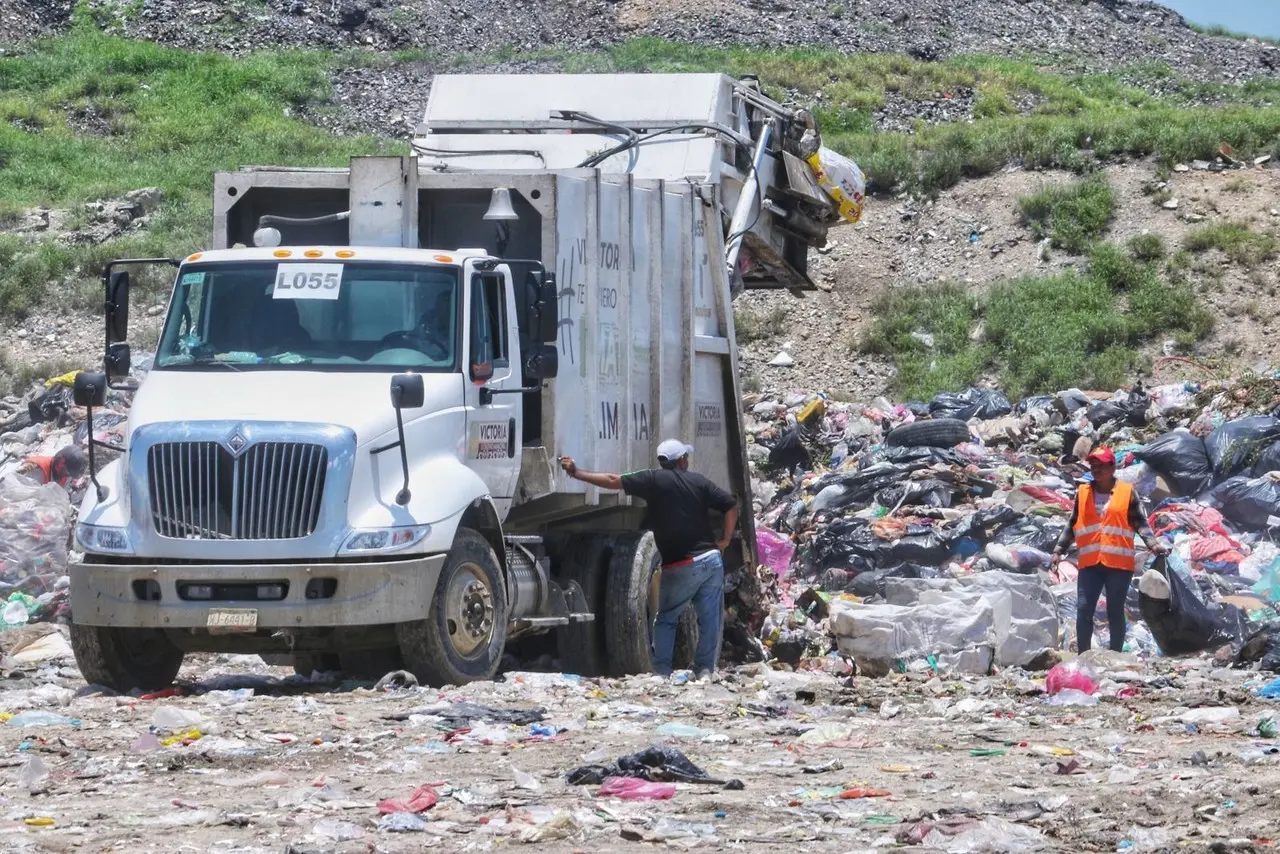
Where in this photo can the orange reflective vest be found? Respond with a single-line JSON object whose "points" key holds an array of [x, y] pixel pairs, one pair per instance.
{"points": [[1106, 540]]}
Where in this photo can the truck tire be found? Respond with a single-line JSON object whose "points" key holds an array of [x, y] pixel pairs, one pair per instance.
{"points": [[125, 659], [631, 607], [581, 646], [933, 433], [465, 629]]}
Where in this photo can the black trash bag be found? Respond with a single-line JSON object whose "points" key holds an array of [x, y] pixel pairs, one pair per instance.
{"points": [[1183, 461], [656, 764], [1033, 403], [917, 408], [1268, 460], [1263, 647], [983, 525], [1248, 502], [860, 487], [917, 457], [789, 452], [922, 549], [972, 403], [845, 543], [51, 404], [1103, 411], [1236, 446], [872, 583], [1042, 536], [918, 493], [1074, 399], [1186, 622]]}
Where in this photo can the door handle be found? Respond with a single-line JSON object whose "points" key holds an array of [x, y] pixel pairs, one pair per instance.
{"points": [[511, 439], [487, 394]]}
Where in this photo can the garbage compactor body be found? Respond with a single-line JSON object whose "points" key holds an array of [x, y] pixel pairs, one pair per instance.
{"points": [[346, 450]]}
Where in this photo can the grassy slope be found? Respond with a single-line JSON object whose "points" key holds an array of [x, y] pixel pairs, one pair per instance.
{"points": [[175, 117]]}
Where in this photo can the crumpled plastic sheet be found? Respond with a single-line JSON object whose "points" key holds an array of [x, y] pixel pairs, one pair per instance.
{"points": [[35, 527]]}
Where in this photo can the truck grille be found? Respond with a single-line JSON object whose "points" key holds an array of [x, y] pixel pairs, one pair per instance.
{"points": [[270, 492]]}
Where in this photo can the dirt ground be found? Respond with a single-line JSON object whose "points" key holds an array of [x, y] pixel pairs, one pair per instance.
{"points": [[901, 242], [972, 764]]}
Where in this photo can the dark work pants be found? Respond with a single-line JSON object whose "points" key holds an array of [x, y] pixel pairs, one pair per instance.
{"points": [[1089, 586]]}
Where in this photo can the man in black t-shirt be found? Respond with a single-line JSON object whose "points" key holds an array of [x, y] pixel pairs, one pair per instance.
{"points": [[678, 502]]}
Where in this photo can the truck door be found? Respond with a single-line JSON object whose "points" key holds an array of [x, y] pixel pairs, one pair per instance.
{"points": [[493, 399]]}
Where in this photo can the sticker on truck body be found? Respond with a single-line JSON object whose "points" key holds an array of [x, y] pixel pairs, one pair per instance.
{"points": [[307, 281], [489, 440]]}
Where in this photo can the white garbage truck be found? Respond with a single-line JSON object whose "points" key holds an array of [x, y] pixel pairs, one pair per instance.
{"points": [[345, 449]]}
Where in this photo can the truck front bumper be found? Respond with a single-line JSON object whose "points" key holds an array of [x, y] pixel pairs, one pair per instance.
{"points": [[197, 596]]}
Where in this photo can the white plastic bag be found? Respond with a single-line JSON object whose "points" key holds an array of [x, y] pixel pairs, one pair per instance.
{"points": [[842, 180]]}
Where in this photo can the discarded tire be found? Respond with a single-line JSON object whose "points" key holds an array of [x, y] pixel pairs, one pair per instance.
{"points": [[933, 433]]}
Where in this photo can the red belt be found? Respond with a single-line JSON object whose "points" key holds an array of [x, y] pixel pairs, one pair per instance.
{"points": [[686, 562]]}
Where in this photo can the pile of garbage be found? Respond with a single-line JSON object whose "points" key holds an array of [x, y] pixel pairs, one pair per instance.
{"points": [[44, 473], [919, 536]]}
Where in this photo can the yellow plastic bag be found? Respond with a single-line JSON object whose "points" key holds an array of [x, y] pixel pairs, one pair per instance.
{"points": [[842, 180]]}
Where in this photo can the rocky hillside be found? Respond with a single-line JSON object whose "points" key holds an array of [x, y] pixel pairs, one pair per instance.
{"points": [[955, 111]]}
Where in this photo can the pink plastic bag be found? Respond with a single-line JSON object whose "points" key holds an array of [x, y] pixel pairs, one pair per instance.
{"points": [[774, 550], [1073, 674], [635, 789]]}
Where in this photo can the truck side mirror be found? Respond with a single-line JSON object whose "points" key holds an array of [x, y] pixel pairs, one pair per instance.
{"points": [[119, 360], [407, 391], [543, 363], [117, 307], [89, 389]]}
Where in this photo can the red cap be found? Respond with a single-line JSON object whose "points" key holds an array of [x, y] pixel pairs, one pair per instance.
{"points": [[1103, 455]]}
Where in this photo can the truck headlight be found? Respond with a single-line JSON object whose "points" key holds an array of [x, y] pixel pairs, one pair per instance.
{"points": [[97, 538], [384, 539]]}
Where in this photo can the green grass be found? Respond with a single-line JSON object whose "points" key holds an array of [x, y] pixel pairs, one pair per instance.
{"points": [[1219, 30], [751, 325], [1147, 247], [1073, 215], [1241, 244], [1040, 333], [173, 118]]}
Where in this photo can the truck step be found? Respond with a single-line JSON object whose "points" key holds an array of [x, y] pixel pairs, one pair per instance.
{"points": [[523, 539]]}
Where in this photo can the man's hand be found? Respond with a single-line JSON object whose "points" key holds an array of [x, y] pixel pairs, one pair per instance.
{"points": [[570, 468], [721, 545], [1055, 558], [1159, 549]]}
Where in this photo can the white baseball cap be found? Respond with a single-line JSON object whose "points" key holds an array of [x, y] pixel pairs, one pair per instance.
{"points": [[673, 449]]}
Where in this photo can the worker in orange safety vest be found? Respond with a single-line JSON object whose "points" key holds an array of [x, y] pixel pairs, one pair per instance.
{"points": [[1104, 521]]}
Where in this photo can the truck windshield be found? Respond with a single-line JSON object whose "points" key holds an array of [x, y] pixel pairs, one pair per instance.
{"points": [[315, 315]]}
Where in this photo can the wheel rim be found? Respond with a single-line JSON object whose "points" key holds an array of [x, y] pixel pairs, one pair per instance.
{"points": [[469, 613]]}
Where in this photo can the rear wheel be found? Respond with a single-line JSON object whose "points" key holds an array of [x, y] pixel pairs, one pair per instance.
{"points": [[125, 659], [581, 646], [631, 607], [465, 628]]}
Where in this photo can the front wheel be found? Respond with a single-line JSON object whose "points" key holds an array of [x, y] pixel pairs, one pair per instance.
{"points": [[125, 659], [462, 637]]}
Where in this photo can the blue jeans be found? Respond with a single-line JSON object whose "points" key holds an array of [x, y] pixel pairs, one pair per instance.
{"points": [[1089, 586], [702, 583]]}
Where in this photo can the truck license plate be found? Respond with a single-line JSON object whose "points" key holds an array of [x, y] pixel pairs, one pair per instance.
{"points": [[227, 620]]}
